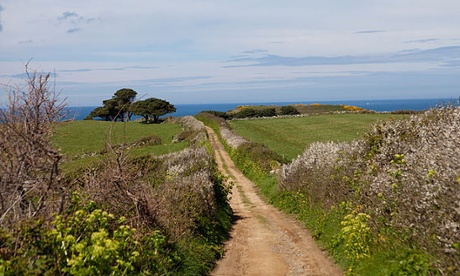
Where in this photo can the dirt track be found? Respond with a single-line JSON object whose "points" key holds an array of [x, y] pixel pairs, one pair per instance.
{"points": [[263, 240]]}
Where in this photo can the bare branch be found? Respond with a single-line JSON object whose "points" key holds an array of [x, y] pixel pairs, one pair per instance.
{"points": [[28, 162]]}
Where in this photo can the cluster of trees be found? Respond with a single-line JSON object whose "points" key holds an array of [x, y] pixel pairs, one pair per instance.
{"points": [[266, 112], [123, 105]]}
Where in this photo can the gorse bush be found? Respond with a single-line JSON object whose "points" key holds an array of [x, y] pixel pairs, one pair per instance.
{"points": [[403, 175], [288, 110]]}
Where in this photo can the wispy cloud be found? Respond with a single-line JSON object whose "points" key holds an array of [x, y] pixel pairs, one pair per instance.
{"points": [[452, 64], [369, 32], [134, 67], [441, 54], [29, 41], [75, 21], [26, 76], [67, 15], [74, 30], [255, 51], [423, 40]]}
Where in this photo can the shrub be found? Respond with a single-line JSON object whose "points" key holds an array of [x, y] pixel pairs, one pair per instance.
{"points": [[403, 174], [30, 185], [263, 157], [288, 110], [148, 141], [220, 114], [231, 138], [194, 131], [86, 241], [245, 113], [356, 235], [171, 201], [266, 112]]}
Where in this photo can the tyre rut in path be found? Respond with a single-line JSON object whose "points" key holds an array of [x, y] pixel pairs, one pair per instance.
{"points": [[263, 240]]}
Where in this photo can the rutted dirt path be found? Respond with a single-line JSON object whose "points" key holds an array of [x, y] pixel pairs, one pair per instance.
{"points": [[264, 241]]}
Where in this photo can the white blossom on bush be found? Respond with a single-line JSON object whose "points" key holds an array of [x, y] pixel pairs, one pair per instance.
{"points": [[231, 138], [405, 174]]}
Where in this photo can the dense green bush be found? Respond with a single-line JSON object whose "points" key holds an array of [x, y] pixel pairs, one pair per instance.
{"points": [[252, 112], [245, 113], [288, 110], [264, 159]]}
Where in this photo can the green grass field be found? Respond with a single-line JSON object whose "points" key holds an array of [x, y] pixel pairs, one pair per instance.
{"points": [[77, 138], [290, 136]]}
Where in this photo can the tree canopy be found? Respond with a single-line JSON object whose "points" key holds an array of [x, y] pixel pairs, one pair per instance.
{"points": [[118, 108], [152, 108], [124, 98]]}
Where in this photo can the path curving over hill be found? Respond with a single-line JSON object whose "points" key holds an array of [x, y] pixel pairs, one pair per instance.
{"points": [[264, 241]]}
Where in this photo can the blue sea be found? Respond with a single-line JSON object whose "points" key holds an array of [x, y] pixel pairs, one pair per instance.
{"points": [[79, 113]]}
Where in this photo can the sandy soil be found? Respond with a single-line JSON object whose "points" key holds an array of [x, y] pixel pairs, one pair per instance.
{"points": [[265, 241]]}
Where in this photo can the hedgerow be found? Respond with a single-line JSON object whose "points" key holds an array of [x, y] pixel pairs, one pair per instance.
{"points": [[386, 204], [403, 176], [123, 215]]}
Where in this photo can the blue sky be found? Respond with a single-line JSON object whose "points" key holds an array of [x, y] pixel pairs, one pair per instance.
{"points": [[215, 51]]}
